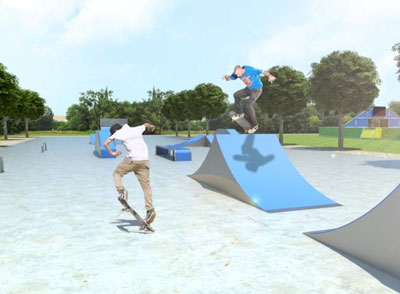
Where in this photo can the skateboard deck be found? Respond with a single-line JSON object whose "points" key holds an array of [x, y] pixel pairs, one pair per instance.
{"points": [[241, 121], [145, 225]]}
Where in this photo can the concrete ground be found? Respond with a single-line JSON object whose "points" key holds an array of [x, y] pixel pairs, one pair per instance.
{"points": [[62, 231]]}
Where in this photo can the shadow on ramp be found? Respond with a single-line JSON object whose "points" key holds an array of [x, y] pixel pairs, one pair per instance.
{"points": [[256, 170], [252, 156]]}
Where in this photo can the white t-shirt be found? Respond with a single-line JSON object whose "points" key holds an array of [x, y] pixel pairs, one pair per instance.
{"points": [[133, 141]]}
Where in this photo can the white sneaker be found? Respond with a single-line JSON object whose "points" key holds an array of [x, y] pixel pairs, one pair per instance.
{"points": [[237, 116], [253, 129]]}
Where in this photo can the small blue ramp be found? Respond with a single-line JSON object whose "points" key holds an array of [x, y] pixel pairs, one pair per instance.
{"points": [[256, 170], [195, 141], [174, 153], [92, 140], [101, 137], [226, 132]]}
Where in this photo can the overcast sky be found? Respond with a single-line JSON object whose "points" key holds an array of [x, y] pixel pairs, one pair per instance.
{"points": [[60, 48]]}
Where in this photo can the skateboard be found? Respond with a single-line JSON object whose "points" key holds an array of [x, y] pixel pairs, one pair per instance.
{"points": [[241, 121], [145, 225]]}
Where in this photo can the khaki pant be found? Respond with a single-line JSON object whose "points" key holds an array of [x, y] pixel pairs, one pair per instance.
{"points": [[141, 170]]}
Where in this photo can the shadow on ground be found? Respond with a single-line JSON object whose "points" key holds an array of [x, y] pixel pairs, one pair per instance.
{"points": [[122, 224], [386, 279], [391, 164]]}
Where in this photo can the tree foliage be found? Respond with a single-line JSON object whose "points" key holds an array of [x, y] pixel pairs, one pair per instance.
{"points": [[286, 96], [396, 48], [344, 82]]}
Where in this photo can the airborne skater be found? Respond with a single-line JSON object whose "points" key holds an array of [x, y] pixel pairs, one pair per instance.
{"points": [[137, 161], [251, 77]]}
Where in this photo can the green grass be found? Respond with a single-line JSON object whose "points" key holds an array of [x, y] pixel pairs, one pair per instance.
{"points": [[310, 140], [370, 145], [53, 133]]}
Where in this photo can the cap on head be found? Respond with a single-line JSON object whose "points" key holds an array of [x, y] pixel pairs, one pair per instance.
{"points": [[236, 68], [114, 128]]}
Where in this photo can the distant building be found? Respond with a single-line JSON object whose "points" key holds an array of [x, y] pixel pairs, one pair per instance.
{"points": [[376, 117], [60, 117]]}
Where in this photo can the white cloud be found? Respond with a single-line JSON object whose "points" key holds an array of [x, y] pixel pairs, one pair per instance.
{"points": [[104, 20], [37, 17], [331, 25]]}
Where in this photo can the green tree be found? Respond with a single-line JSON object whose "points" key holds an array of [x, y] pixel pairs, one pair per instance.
{"points": [[99, 103], [44, 123], [314, 123], [286, 96], [395, 107], [78, 116], [171, 110], [9, 95], [133, 112], [31, 106], [185, 104], [344, 82], [210, 102], [396, 48], [153, 108]]}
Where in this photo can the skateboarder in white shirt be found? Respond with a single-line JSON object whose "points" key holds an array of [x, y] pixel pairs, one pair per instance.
{"points": [[137, 161]]}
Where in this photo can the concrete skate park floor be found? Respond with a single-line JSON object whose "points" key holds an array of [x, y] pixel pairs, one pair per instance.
{"points": [[62, 230]]}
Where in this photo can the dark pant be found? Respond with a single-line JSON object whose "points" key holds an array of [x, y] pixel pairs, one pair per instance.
{"points": [[253, 95]]}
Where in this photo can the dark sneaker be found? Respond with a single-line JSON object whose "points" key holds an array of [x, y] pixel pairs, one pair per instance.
{"points": [[150, 216], [237, 116], [253, 129], [123, 195]]}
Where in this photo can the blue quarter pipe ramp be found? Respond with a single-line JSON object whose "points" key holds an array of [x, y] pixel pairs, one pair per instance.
{"points": [[101, 137], [255, 169], [373, 238]]}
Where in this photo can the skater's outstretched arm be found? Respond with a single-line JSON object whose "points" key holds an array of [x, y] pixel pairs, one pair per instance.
{"points": [[149, 126], [106, 145], [270, 77]]}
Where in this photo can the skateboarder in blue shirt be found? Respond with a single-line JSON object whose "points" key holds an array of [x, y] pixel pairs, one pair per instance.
{"points": [[251, 77]]}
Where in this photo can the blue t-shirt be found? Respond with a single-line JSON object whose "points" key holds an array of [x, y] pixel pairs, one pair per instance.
{"points": [[251, 77]]}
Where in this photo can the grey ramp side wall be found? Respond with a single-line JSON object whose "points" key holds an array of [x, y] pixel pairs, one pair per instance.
{"points": [[108, 122], [374, 238], [98, 147], [216, 173]]}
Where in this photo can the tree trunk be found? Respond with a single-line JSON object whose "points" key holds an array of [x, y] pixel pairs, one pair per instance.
{"points": [[341, 131], [176, 128], [26, 127], [207, 126], [5, 128], [189, 128], [281, 129]]}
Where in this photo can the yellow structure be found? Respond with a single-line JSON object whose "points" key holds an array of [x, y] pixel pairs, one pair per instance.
{"points": [[375, 133]]}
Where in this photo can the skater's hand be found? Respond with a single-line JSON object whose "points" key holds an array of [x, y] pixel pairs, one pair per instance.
{"points": [[116, 153], [150, 126], [226, 77], [247, 81], [271, 78]]}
